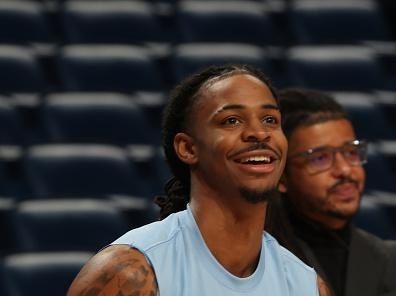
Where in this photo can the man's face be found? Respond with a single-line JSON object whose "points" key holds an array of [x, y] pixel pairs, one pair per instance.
{"points": [[237, 141], [330, 197]]}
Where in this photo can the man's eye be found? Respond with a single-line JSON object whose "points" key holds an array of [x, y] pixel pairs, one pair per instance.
{"points": [[231, 121], [351, 153], [270, 120], [320, 157]]}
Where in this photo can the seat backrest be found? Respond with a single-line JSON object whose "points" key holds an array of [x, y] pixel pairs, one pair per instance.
{"points": [[104, 118], [7, 241], [11, 131], [45, 274], [379, 175], [387, 101], [189, 58], [20, 71], [114, 22], [373, 218], [388, 150], [80, 170], [23, 22], [337, 22], [67, 225], [107, 68], [335, 68], [366, 115], [215, 21]]}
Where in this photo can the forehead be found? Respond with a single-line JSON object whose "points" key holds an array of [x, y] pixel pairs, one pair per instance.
{"points": [[242, 89], [329, 133]]}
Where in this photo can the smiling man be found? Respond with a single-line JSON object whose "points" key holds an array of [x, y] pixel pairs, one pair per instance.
{"points": [[222, 137], [323, 183]]}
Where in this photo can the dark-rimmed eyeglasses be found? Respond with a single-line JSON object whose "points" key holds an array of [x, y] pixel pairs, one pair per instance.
{"points": [[321, 159]]}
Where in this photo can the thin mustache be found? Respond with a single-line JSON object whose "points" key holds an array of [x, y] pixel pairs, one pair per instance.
{"points": [[343, 181], [257, 146]]}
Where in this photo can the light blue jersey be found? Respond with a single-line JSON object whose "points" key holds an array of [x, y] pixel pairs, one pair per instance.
{"points": [[184, 266]]}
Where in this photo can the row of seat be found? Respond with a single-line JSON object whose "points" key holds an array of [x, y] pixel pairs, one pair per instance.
{"points": [[108, 118], [72, 224], [84, 170], [377, 214], [135, 68], [255, 22], [50, 273], [73, 169], [40, 274], [120, 119], [89, 224], [83, 120]]}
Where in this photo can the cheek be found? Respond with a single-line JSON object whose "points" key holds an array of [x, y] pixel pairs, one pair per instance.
{"points": [[309, 185], [213, 150], [221, 144], [360, 177]]}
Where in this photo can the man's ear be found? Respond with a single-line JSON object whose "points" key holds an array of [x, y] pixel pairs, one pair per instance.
{"points": [[185, 148], [282, 186]]}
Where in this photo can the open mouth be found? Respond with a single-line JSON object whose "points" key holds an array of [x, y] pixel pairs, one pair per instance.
{"points": [[256, 160]]}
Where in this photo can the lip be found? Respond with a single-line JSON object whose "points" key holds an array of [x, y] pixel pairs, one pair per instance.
{"points": [[257, 168], [346, 191]]}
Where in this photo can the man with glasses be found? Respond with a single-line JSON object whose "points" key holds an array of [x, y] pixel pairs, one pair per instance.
{"points": [[322, 186]]}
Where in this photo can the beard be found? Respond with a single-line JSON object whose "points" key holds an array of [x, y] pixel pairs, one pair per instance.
{"points": [[324, 208], [258, 196]]}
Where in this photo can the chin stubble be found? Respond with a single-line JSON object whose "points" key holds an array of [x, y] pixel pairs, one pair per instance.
{"points": [[257, 196]]}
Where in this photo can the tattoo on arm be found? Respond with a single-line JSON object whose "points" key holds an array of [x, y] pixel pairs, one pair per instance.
{"points": [[125, 275]]}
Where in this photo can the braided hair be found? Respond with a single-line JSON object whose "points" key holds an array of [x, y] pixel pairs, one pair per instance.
{"points": [[176, 119]]}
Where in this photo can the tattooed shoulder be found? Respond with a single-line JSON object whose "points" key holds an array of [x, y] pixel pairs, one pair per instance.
{"points": [[117, 270]]}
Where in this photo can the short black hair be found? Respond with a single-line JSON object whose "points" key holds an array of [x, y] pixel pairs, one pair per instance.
{"points": [[175, 120], [305, 107]]}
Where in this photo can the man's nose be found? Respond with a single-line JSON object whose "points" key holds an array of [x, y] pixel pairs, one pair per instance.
{"points": [[341, 167], [255, 132]]}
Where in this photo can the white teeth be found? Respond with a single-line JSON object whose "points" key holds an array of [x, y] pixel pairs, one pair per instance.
{"points": [[265, 159]]}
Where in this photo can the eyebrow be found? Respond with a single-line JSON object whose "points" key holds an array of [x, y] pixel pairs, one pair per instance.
{"points": [[237, 106]]}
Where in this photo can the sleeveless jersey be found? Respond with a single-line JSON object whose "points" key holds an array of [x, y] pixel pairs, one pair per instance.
{"points": [[184, 266]]}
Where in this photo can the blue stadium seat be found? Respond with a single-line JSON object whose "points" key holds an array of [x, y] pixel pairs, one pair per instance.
{"points": [[388, 149], [151, 164], [23, 22], [107, 68], [367, 116], [387, 201], [110, 22], [337, 22], [387, 101], [217, 21], [66, 225], [189, 58], [7, 241], [335, 68], [103, 118], [11, 130], [20, 71], [80, 170], [379, 174], [373, 218], [12, 140], [44, 274]]}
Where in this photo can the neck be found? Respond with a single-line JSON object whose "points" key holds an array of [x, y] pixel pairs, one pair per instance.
{"points": [[232, 229], [329, 223]]}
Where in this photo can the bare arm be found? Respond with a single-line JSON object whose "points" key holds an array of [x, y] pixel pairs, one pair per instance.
{"points": [[117, 270], [323, 288]]}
